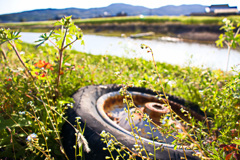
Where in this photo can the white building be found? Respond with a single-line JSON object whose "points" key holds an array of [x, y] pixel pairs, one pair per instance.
{"points": [[221, 9]]}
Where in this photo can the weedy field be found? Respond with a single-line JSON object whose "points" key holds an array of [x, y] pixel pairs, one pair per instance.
{"points": [[37, 84], [198, 20]]}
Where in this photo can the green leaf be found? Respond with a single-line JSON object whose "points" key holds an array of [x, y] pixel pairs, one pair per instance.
{"points": [[175, 147], [43, 38], [220, 40], [8, 35], [82, 42], [236, 141], [61, 102], [66, 22]]}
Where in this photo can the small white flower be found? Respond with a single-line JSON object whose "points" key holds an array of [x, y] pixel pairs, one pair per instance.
{"points": [[199, 154], [137, 146], [103, 133], [21, 112], [171, 83], [67, 64], [109, 143], [225, 20], [31, 137], [69, 104], [30, 103], [20, 69], [201, 92], [117, 73], [78, 118]]}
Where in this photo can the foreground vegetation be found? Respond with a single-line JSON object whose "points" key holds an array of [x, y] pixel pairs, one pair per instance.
{"points": [[36, 85]]}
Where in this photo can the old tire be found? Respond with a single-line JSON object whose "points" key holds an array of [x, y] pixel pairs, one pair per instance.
{"points": [[85, 107]]}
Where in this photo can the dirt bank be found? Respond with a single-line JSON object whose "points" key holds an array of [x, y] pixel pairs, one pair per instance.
{"points": [[203, 33]]}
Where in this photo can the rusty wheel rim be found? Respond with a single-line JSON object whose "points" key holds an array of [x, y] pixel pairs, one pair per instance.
{"points": [[110, 107]]}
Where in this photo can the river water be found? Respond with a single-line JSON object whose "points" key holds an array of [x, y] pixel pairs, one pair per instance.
{"points": [[170, 51]]}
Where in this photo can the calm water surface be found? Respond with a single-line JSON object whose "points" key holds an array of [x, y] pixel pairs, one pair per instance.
{"points": [[180, 53]]}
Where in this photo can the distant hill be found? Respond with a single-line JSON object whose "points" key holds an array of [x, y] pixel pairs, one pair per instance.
{"points": [[111, 10], [172, 10]]}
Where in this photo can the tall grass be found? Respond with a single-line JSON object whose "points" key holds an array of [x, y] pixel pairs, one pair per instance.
{"points": [[157, 19]]}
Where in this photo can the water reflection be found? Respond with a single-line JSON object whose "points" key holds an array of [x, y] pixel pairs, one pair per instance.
{"points": [[173, 52]]}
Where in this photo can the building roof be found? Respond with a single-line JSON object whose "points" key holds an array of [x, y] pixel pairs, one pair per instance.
{"points": [[219, 6], [222, 8], [218, 10]]}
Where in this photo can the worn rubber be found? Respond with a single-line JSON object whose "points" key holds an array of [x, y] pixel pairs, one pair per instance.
{"points": [[85, 107]]}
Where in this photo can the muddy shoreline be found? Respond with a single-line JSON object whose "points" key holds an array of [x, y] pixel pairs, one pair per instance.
{"points": [[199, 33]]}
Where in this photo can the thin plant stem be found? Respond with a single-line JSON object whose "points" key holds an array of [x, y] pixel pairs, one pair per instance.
{"points": [[39, 148], [237, 32], [54, 119], [198, 146], [15, 122], [133, 126], [19, 57], [54, 127], [110, 153], [53, 44], [228, 55], [4, 55], [39, 125], [70, 44], [27, 134], [154, 146], [55, 111], [45, 105], [229, 47], [65, 34], [167, 102], [184, 152], [60, 62]]}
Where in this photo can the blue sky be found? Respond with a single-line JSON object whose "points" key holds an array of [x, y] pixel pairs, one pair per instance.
{"points": [[11, 6]]}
